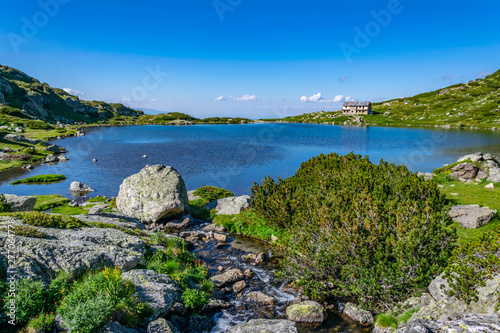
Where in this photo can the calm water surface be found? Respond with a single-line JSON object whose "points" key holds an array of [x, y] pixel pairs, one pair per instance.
{"points": [[234, 156]]}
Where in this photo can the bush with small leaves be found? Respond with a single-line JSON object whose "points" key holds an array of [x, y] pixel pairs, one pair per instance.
{"points": [[376, 233], [472, 264], [195, 299]]}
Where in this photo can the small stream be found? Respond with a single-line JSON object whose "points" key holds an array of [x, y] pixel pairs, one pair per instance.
{"points": [[233, 255]]}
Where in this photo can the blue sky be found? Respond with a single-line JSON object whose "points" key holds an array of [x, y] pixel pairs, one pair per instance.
{"points": [[250, 58]]}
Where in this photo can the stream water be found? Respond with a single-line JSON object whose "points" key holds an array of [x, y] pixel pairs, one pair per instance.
{"points": [[231, 255]]}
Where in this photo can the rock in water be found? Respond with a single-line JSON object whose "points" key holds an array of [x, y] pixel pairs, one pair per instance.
{"points": [[265, 326], [471, 216], [19, 203], [229, 206], [162, 326], [156, 193], [306, 312], [116, 328], [80, 188], [261, 298], [352, 311]]}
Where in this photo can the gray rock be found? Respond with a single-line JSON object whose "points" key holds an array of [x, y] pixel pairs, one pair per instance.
{"points": [[114, 219], [494, 175], [53, 148], [157, 290], [463, 323], [239, 286], [216, 304], [73, 250], [51, 158], [63, 158], [379, 329], [486, 304], [487, 157], [80, 188], [220, 237], [265, 326], [176, 225], [18, 130], [191, 196], [20, 138], [230, 276], [354, 312], [438, 287], [20, 203], [306, 312], [229, 206], [60, 324], [464, 172], [116, 328], [261, 298], [473, 157], [162, 326], [98, 209], [155, 193], [471, 216]]}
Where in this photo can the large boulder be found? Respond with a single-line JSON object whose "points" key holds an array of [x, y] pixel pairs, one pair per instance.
{"points": [[471, 216], [229, 206], [483, 166], [265, 326], [79, 188], [53, 148], [306, 312], [154, 194], [157, 290], [72, 250], [354, 312], [463, 323], [20, 203]]}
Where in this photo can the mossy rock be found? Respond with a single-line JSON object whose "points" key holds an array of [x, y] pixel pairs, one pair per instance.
{"points": [[306, 312]]}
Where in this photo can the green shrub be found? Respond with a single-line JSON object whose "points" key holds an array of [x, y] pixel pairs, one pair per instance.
{"points": [[38, 124], [195, 299], [472, 264], [97, 297], [4, 206], [39, 179], [249, 223], [211, 193], [30, 150], [42, 219], [43, 323], [30, 299], [198, 211], [376, 233]]}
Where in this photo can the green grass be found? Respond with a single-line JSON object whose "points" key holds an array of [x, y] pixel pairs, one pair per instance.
{"points": [[39, 179], [393, 321], [44, 202], [68, 210], [248, 223], [470, 194], [42, 219], [98, 199]]}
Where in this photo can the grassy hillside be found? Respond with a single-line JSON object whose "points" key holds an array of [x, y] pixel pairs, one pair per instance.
{"points": [[27, 98], [472, 104]]}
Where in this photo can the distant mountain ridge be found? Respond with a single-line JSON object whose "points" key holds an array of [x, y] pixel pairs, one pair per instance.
{"points": [[38, 100]]}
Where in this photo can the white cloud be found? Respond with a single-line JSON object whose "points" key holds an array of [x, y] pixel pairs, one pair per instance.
{"points": [[318, 98], [244, 98], [73, 92]]}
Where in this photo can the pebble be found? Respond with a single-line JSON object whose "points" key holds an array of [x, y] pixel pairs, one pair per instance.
{"points": [[490, 186]]}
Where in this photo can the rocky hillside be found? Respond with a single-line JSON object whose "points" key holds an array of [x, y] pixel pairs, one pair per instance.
{"points": [[26, 97], [475, 104]]}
